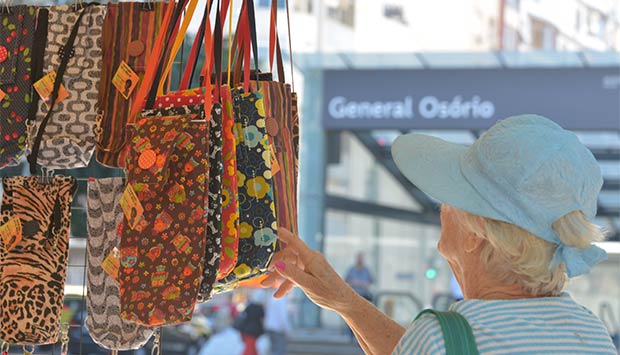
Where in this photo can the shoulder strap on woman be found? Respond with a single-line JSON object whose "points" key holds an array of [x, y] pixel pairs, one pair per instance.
{"points": [[457, 334]]}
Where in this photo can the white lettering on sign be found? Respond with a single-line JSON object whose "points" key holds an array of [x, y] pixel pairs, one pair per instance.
{"points": [[340, 108], [431, 107]]}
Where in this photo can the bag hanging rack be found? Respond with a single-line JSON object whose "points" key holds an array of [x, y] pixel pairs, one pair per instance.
{"points": [[148, 5], [6, 6], [78, 5]]}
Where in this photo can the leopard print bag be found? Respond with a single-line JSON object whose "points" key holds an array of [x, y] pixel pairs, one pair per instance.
{"points": [[33, 269], [104, 322], [68, 140]]}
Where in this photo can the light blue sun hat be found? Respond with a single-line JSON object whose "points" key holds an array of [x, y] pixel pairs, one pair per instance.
{"points": [[525, 170]]}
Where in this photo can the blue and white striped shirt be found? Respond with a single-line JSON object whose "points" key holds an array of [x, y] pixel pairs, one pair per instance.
{"points": [[550, 325]]}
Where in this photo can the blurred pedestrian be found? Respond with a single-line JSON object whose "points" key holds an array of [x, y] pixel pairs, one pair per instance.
{"points": [[359, 278], [250, 324], [277, 324], [225, 340]]}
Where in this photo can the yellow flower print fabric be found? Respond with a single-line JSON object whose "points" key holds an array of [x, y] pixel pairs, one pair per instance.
{"points": [[257, 214]]}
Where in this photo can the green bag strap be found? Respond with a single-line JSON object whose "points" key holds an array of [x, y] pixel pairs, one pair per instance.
{"points": [[457, 334]]}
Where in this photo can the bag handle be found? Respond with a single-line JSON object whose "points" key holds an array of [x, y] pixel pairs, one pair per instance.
{"points": [[37, 60], [190, 70], [168, 24], [458, 336], [246, 43], [178, 42], [290, 45], [274, 42], [172, 33], [60, 72]]}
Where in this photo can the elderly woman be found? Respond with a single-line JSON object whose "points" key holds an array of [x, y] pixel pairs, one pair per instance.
{"points": [[515, 217]]}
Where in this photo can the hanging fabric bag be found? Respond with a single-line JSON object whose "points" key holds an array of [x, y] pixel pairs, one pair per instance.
{"points": [[63, 135], [104, 323], [17, 34], [35, 219], [162, 251], [129, 33]]}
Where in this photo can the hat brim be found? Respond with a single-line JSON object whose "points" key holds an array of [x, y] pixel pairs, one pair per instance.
{"points": [[433, 165]]}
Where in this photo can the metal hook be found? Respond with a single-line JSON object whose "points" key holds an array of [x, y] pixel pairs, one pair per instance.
{"points": [[4, 348], [28, 351], [156, 350], [148, 5], [64, 338], [6, 8], [78, 5]]}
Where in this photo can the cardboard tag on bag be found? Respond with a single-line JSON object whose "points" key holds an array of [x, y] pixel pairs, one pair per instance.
{"points": [[45, 87], [275, 166], [131, 207], [11, 233], [125, 80], [112, 263]]}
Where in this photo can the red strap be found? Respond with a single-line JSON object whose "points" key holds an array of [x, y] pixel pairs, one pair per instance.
{"points": [[224, 12], [187, 74], [152, 65], [207, 68]]}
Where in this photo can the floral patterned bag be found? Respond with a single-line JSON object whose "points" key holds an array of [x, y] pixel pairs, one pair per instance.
{"points": [[257, 213], [162, 251], [230, 204], [17, 33], [104, 323], [214, 196], [33, 262]]}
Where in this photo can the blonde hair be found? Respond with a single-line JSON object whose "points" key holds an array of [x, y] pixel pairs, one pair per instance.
{"points": [[516, 256]]}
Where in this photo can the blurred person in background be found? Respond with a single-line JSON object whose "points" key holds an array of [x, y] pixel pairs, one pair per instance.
{"points": [[250, 323], [516, 222], [277, 324], [359, 278], [225, 340]]}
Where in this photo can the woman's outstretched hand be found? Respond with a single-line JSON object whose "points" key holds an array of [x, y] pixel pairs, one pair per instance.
{"points": [[297, 264]]}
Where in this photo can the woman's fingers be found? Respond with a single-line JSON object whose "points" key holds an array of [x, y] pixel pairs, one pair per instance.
{"points": [[272, 279], [285, 288], [297, 245], [293, 273]]}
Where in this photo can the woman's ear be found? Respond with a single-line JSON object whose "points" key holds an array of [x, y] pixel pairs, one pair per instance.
{"points": [[473, 242]]}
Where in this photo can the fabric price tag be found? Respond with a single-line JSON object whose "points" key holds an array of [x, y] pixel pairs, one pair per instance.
{"points": [[131, 206], [275, 166], [112, 263], [45, 87], [125, 80], [2, 94], [11, 233]]}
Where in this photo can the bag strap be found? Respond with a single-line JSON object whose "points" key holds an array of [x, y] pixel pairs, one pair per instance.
{"points": [[290, 45], [458, 336], [274, 42], [38, 53], [178, 42], [192, 60], [167, 26], [32, 158]]}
